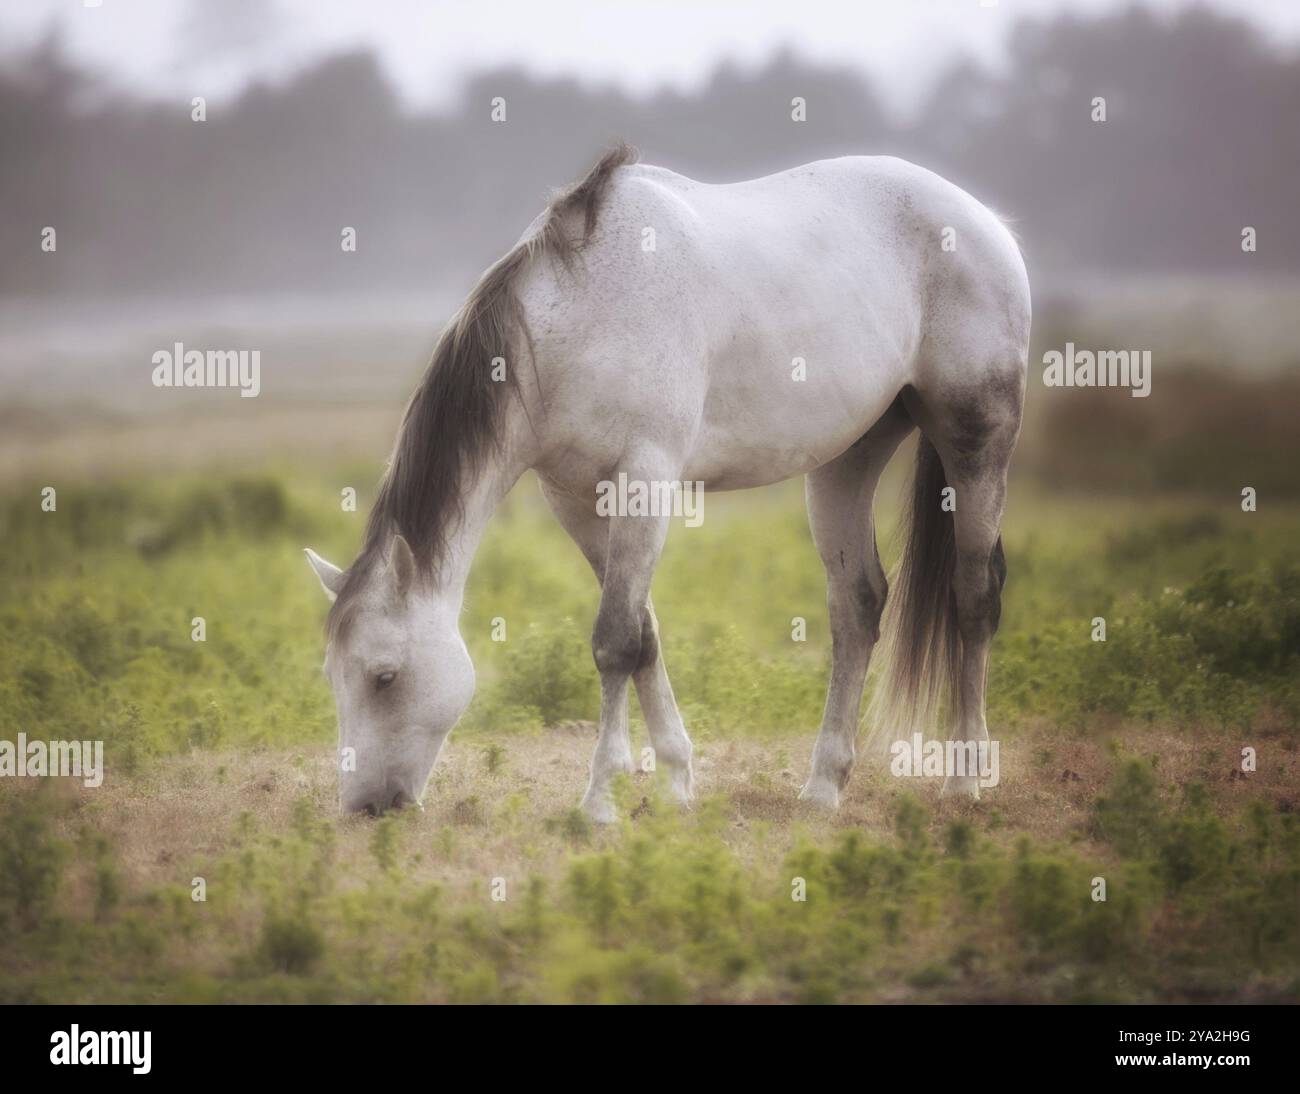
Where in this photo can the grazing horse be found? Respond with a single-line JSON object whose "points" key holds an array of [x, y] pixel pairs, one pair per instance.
{"points": [[669, 330]]}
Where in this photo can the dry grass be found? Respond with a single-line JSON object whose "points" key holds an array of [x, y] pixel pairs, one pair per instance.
{"points": [[185, 811]]}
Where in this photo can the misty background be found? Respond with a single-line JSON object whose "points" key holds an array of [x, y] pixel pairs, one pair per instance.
{"points": [[226, 232]]}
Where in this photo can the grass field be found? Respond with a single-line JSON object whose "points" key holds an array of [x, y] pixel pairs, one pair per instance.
{"points": [[1121, 760]]}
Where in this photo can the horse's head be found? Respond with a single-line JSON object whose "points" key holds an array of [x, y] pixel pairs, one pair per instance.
{"points": [[401, 677]]}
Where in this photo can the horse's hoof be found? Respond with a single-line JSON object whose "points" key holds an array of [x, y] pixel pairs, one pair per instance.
{"points": [[600, 810], [821, 792], [682, 791], [960, 788]]}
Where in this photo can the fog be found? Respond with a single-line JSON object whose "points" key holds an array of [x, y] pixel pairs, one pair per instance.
{"points": [[135, 218]]}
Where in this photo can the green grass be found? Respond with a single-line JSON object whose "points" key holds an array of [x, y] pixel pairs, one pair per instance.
{"points": [[96, 616], [666, 910], [1202, 608]]}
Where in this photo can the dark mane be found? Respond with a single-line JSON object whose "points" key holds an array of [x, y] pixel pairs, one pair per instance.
{"points": [[453, 418]]}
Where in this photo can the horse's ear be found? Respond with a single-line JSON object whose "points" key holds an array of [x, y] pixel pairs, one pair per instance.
{"points": [[401, 565], [331, 577]]}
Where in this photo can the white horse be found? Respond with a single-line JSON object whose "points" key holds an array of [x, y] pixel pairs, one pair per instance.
{"points": [[671, 330]]}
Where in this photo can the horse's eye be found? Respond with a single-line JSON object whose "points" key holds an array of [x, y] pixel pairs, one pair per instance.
{"points": [[384, 679]]}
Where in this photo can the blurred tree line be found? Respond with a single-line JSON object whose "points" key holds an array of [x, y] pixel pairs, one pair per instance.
{"points": [[1202, 138]]}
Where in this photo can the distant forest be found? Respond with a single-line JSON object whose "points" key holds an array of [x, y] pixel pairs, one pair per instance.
{"points": [[1202, 138]]}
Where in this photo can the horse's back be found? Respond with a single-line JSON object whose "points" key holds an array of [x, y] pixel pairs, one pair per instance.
{"points": [[873, 244], [770, 322]]}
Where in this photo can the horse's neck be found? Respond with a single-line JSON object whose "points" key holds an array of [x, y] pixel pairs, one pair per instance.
{"points": [[481, 493]]}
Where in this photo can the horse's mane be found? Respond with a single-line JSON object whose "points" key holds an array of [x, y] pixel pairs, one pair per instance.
{"points": [[454, 416]]}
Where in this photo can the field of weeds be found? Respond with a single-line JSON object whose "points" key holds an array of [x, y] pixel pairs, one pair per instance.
{"points": [[1121, 761]]}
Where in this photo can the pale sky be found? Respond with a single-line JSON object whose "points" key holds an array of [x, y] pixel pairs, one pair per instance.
{"points": [[213, 47]]}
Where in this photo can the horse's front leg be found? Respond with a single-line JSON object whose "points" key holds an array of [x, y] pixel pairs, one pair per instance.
{"points": [[623, 642], [668, 738], [663, 721]]}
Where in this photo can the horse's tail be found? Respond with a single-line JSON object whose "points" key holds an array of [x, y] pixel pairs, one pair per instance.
{"points": [[922, 645]]}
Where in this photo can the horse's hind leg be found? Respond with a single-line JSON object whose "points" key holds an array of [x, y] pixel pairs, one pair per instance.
{"points": [[840, 496], [975, 433], [668, 738]]}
